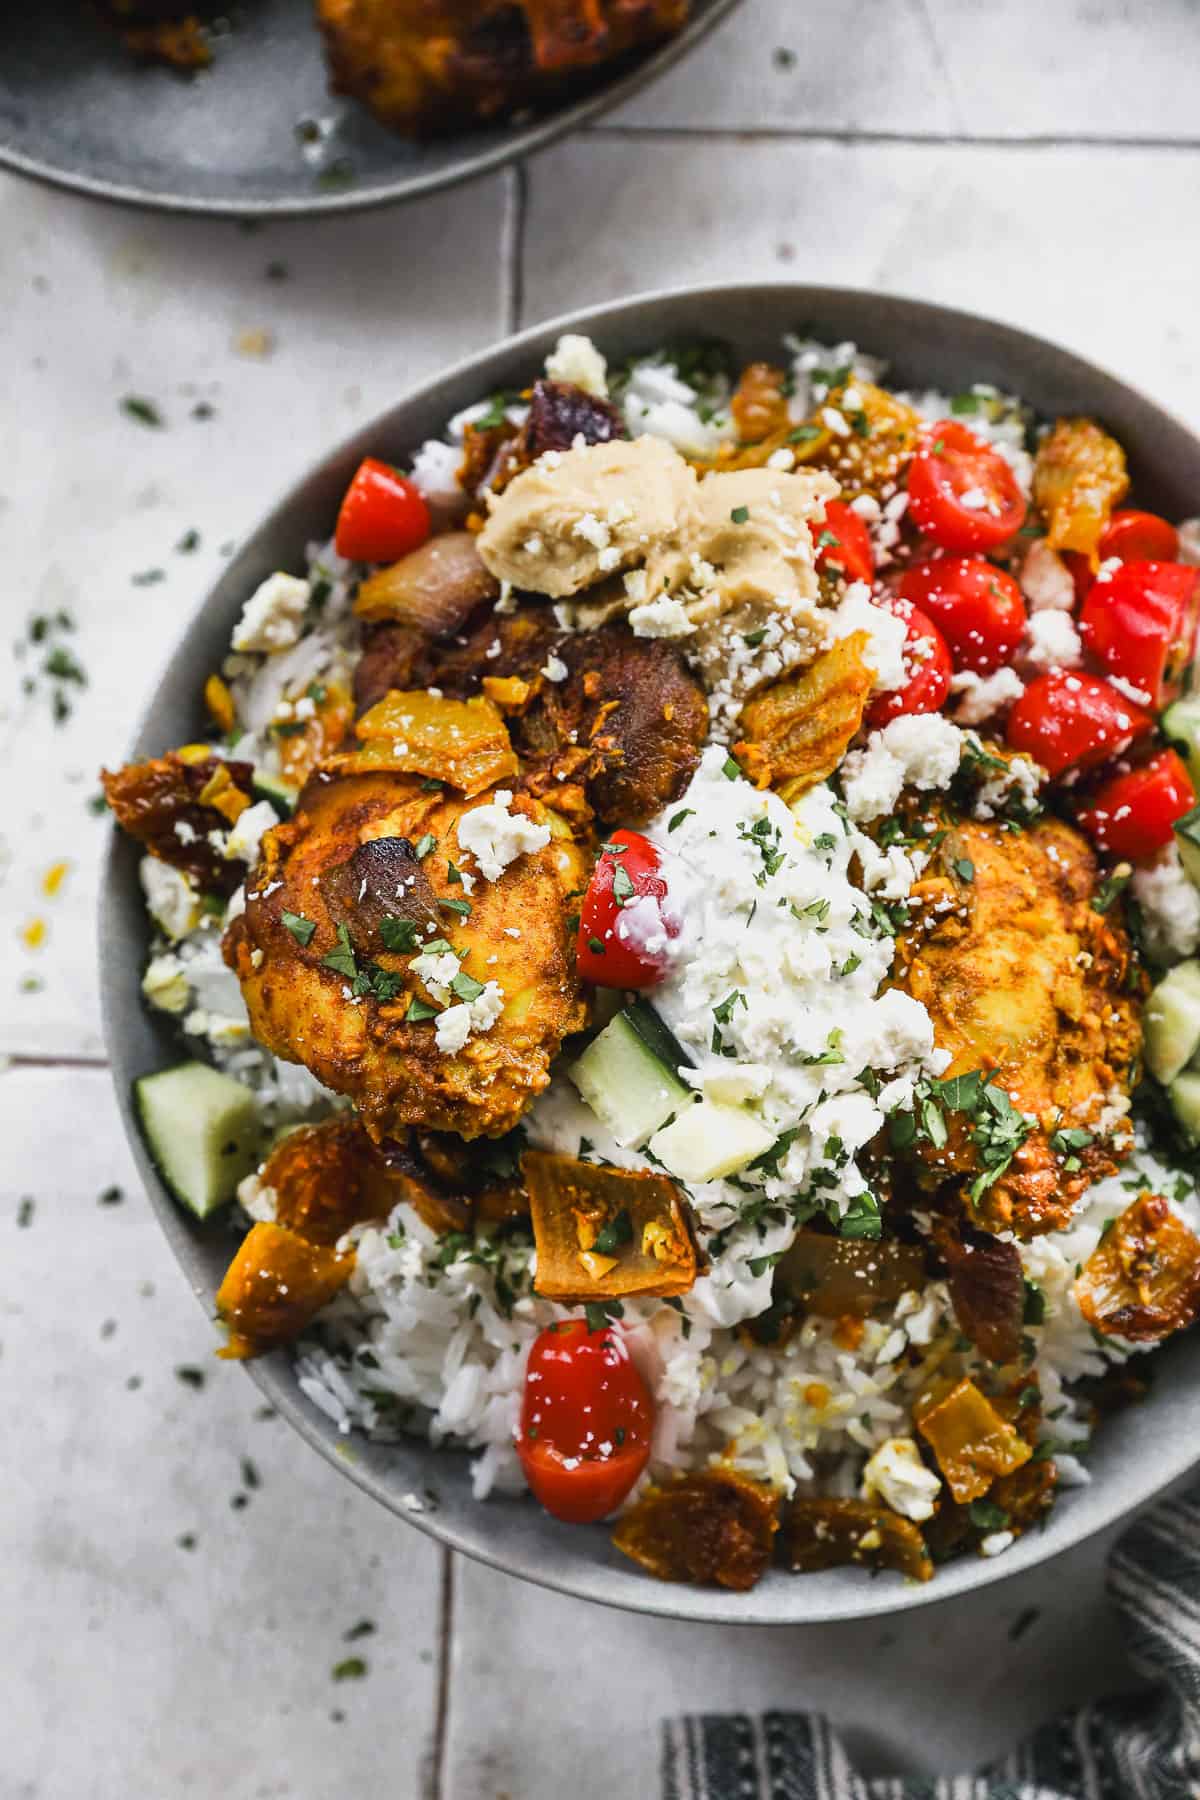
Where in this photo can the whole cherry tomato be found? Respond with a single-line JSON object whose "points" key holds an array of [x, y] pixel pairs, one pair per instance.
{"points": [[1066, 720], [844, 543], [927, 668], [586, 1420], [383, 515], [977, 608], [1082, 573], [961, 492], [622, 942], [1133, 813], [1139, 537], [1140, 622]]}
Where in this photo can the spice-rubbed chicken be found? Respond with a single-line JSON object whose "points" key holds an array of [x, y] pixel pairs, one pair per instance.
{"points": [[1027, 984], [423, 65], [365, 882]]}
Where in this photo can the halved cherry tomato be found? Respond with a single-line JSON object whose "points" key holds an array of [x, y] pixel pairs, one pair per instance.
{"points": [[1139, 537], [586, 1420], [961, 492], [1066, 720], [977, 608], [383, 515], [844, 543], [622, 944], [1134, 812], [1140, 622], [927, 668]]}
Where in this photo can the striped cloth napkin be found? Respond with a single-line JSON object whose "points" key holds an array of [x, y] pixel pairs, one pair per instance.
{"points": [[1136, 1748]]}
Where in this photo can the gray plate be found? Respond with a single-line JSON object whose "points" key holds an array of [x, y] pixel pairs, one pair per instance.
{"points": [[75, 109], [1140, 1450]]}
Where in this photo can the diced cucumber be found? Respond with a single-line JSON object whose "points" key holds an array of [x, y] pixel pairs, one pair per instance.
{"points": [[1171, 1022], [203, 1131], [1184, 1095], [710, 1140], [1181, 723], [274, 788], [630, 1091], [1187, 837], [658, 1038]]}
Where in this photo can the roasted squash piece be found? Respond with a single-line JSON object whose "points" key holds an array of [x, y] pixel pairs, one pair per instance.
{"points": [[605, 1233], [973, 1444], [797, 731], [987, 1287], [305, 743], [1142, 1281], [434, 589], [275, 1284], [328, 1177], [716, 1527], [172, 803], [1079, 475], [759, 405], [838, 1278], [819, 1533], [462, 742], [884, 432]]}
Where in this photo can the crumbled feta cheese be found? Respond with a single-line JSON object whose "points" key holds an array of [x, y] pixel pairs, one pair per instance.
{"points": [[1170, 906], [592, 530], [577, 360], [272, 616], [981, 697], [1046, 580], [495, 836], [897, 1474], [245, 839], [997, 1542], [435, 469], [1021, 780], [918, 749], [171, 898], [1051, 642], [887, 633], [554, 668], [783, 458], [452, 1028], [437, 969], [165, 984], [661, 618]]}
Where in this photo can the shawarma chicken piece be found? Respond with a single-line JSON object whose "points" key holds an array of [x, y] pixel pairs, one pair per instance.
{"points": [[348, 893], [423, 65], [1026, 982]]}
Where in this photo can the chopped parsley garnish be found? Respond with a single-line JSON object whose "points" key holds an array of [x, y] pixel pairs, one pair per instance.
{"points": [[301, 928], [861, 1218], [730, 769], [461, 907], [825, 841], [599, 1313], [964, 403], [740, 514], [754, 638], [466, 986], [851, 963], [676, 819], [351, 1668], [453, 874], [397, 934], [418, 1010], [342, 959], [424, 845], [148, 577], [985, 1515], [724, 1011], [1111, 887], [765, 837], [622, 885], [964, 868], [828, 541], [618, 1231], [804, 434], [364, 1628], [188, 542], [1035, 1305], [1074, 1137], [143, 411], [595, 946]]}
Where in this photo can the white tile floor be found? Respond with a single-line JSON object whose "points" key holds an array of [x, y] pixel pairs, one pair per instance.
{"points": [[1038, 163]]}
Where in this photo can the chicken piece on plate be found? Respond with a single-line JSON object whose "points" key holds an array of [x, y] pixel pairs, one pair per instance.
{"points": [[1027, 985], [367, 876], [422, 65], [620, 726]]}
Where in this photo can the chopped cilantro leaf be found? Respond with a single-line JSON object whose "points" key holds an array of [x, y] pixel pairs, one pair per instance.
{"points": [[342, 959], [301, 928], [398, 934], [466, 986]]}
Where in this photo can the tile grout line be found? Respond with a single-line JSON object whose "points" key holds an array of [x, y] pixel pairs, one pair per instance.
{"points": [[436, 1785], [851, 137]]}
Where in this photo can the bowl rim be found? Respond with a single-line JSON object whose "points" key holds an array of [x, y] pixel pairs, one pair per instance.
{"points": [[521, 140], [582, 1578]]}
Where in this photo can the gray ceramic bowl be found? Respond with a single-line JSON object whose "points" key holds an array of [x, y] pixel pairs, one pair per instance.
{"points": [[77, 111], [1140, 1450]]}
